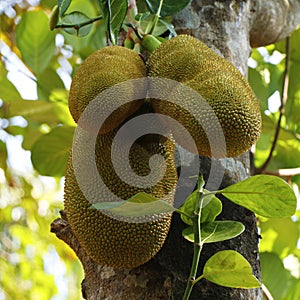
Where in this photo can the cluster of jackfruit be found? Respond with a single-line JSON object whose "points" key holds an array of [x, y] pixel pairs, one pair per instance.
{"points": [[123, 244], [108, 240]]}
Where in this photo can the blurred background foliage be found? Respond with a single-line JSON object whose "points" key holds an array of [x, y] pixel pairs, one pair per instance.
{"points": [[36, 129], [279, 246]]}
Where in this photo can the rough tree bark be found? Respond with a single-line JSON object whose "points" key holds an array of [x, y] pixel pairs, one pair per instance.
{"points": [[229, 28]]}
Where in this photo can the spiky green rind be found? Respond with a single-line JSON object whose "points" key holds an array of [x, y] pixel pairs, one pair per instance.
{"points": [[113, 242], [100, 71]]}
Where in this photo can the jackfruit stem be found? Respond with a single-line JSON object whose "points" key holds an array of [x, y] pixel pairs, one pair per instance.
{"points": [[137, 48], [129, 43], [138, 35], [150, 42]]}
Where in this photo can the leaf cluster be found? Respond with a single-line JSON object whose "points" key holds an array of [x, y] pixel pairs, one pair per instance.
{"points": [[199, 212], [279, 253]]}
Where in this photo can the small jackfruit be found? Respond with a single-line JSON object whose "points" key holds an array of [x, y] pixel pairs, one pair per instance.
{"points": [[100, 71], [117, 242], [187, 60]]}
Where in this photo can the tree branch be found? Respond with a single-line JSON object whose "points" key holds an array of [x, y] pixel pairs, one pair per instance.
{"points": [[284, 97], [61, 228], [284, 172]]}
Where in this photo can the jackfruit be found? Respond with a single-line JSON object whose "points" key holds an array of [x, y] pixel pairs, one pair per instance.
{"points": [[100, 71], [117, 242], [187, 60]]}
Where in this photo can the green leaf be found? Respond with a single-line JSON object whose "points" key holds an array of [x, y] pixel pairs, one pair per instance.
{"points": [[106, 205], [50, 152], [274, 275], [292, 108], [169, 7], [33, 110], [31, 134], [141, 204], [161, 27], [267, 196], [229, 268], [35, 41], [114, 13], [46, 82], [59, 98], [294, 45], [211, 207], [86, 45], [142, 16], [216, 231], [287, 151], [279, 236], [8, 91], [63, 5], [142, 6], [188, 234], [142, 197], [54, 16], [168, 25], [86, 7], [76, 18], [294, 289], [96, 39], [263, 145], [260, 87], [3, 155]]}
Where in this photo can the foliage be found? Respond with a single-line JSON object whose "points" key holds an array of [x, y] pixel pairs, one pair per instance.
{"points": [[42, 125], [227, 268], [279, 244]]}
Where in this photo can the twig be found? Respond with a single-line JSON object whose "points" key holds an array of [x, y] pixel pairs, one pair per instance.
{"points": [[288, 173], [139, 36], [284, 98], [78, 26], [284, 172]]}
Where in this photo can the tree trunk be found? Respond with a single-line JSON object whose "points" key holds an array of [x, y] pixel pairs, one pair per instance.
{"points": [[225, 26]]}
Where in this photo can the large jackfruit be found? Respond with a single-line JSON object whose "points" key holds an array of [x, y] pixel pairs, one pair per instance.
{"points": [[100, 71], [189, 61], [116, 242]]}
